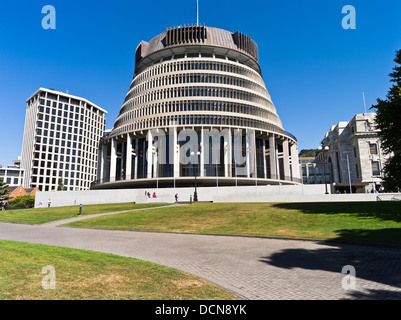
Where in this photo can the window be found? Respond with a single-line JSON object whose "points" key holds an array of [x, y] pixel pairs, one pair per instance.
{"points": [[375, 168], [373, 148]]}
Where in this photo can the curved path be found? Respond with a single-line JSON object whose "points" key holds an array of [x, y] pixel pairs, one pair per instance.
{"points": [[250, 267]]}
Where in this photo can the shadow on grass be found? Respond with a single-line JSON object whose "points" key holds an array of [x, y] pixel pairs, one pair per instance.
{"points": [[378, 210], [377, 263]]}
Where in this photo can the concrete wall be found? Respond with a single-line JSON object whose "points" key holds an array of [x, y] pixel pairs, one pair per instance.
{"points": [[295, 193]]}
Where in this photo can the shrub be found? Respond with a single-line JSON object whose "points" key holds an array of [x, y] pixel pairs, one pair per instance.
{"points": [[26, 201]]}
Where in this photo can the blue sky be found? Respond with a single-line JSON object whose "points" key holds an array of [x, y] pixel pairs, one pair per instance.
{"points": [[314, 70]]}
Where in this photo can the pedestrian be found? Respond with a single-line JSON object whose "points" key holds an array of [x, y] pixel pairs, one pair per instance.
{"points": [[176, 197], [2, 205], [49, 202], [148, 194], [154, 195]]}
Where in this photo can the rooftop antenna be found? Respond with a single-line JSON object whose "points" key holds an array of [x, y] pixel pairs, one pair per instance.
{"points": [[364, 102], [197, 13]]}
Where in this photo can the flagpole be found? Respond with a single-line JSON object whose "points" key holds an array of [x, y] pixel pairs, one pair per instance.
{"points": [[364, 102], [197, 13]]}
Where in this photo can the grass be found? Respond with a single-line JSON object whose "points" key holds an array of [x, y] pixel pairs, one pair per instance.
{"points": [[358, 221], [88, 275], [43, 215]]}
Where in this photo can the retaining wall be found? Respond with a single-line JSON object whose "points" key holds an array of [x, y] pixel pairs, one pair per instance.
{"points": [[294, 193]]}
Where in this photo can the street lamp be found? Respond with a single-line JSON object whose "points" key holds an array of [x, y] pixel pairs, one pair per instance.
{"points": [[326, 148], [195, 174]]}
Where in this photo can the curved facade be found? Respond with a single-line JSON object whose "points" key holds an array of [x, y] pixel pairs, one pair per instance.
{"points": [[197, 108]]}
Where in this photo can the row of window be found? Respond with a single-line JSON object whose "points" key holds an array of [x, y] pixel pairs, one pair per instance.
{"points": [[64, 136], [83, 171], [179, 79], [373, 149], [61, 157], [185, 106], [180, 92], [51, 107], [67, 101], [12, 181], [64, 117], [52, 183], [68, 144], [65, 173], [198, 64], [62, 142], [11, 173]]}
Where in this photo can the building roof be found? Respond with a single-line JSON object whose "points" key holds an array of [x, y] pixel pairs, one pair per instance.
{"points": [[66, 95], [224, 42], [211, 36]]}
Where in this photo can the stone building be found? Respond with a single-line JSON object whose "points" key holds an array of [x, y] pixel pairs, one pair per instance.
{"points": [[355, 157]]}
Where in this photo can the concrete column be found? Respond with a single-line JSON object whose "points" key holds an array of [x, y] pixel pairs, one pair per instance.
{"points": [[227, 153], [264, 159], [202, 155], [273, 161], [250, 152], [100, 160], [286, 158], [296, 170], [113, 160], [149, 154], [105, 163], [176, 153], [136, 160], [128, 161]]}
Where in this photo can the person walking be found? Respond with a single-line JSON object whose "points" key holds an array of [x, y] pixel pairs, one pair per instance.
{"points": [[176, 197], [49, 202]]}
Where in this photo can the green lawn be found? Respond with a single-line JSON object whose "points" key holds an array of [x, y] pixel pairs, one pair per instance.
{"points": [[43, 215], [363, 221], [88, 275]]}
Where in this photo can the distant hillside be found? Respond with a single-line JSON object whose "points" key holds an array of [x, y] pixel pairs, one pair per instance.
{"points": [[308, 152]]}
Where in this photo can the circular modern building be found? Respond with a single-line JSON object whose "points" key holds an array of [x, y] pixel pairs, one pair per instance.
{"points": [[197, 111]]}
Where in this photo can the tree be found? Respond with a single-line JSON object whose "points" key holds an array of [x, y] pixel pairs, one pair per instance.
{"points": [[3, 190], [60, 186], [308, 153], [388, 121]]}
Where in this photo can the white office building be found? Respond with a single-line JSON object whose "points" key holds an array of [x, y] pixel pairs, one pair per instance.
{"points": [[12, 176], [61, 140]]}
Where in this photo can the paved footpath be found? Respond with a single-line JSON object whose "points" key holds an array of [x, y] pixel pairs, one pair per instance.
{"points": [[251, 268]]}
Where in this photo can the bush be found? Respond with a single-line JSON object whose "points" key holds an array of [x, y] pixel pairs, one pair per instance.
{"points": [[26, 201]]}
